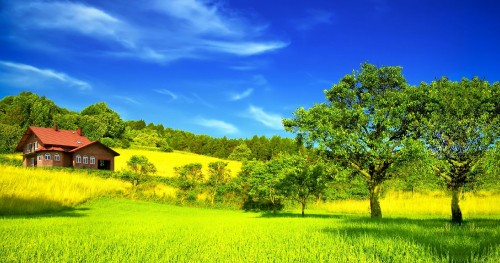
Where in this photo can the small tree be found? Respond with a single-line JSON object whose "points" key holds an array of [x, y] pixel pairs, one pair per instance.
{"points": [[305, 176], [241, 153], [219, 175], [266, 182], [189, 177], [140, 165]]}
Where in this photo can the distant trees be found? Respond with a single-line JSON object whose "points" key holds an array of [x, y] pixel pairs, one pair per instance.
{"points": [[240, 153], [189, 179]]}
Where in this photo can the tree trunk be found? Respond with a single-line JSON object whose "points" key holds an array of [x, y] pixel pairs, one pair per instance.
{"points": [[456, 212], [303, 208], [375, 210]]}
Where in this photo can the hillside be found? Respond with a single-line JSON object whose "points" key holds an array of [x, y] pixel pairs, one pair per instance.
{"points": [[165, 162]]}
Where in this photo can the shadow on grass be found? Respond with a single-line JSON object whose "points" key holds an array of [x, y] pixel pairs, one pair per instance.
{"points": [[468, 242], [17, 207], [296, 215]]}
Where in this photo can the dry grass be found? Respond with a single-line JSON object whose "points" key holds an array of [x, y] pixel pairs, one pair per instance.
{"points": [[35, 190], [434, 203]]}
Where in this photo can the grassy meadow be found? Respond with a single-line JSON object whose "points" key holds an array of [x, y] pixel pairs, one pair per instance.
{"points": [[165, 162], [121, 230], [53, 215]]}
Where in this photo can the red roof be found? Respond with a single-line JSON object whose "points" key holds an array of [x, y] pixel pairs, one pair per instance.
{"points": [[51, 136], [54, 137]]}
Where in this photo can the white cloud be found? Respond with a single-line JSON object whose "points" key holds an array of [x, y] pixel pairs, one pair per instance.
{"points": [[168, 93], [222, 126], [240, 96], [23, 74], [244, 48], [127, 99], [178, 29], [270, 120]]}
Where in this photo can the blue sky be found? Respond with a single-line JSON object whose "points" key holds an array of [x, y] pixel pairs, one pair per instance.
{"points": [[234, 67]]}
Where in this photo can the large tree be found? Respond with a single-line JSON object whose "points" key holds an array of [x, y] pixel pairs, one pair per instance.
{"points": [[364, 126], [462, 124]]}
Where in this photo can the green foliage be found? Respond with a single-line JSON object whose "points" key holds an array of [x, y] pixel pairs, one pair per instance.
{"points": [[363, 126], [140, 165], [99, 121], [218, 177], [462, 123], [265, 183], [109, 142], [189, 179], [305, 176], [9, 135], [240, 153]]}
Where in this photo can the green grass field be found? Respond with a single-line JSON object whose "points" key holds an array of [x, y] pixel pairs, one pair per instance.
{"points": [[120, 230], [49, 215]]}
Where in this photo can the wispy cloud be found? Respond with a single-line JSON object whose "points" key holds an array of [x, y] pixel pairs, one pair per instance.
{"points": [[23, 74], [127, 100], [192, 98], [177, 29], [240, 96], [168, 93], [270, 120], [221, 126], [314, 18]]}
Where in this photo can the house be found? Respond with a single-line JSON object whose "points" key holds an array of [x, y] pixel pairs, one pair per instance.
{"points": [[47, 147]]}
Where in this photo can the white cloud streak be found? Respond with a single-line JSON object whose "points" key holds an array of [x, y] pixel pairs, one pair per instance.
{"points": [[23, 74], [223, 127], [240, 96], [179, 29], [168, 93], [270, 120]]}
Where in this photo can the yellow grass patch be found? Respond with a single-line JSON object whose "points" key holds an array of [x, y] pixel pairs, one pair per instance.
{"points": [[435, 203], [166, 162], [32, 190]]}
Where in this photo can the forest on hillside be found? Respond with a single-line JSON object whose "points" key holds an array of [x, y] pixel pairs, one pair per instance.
{"points": [[99, 122]]}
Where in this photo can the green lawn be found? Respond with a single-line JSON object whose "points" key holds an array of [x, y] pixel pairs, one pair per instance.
{"points": [[120, 230]]}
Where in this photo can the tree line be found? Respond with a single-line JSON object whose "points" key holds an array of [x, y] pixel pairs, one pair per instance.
{"points": [[99, 122]]}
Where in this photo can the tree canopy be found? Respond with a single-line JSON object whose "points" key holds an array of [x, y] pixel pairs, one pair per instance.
{"points": [[462, 124], [364, 125]]}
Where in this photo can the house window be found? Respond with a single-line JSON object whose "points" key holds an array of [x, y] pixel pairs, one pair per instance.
{"points": [[47, 156], [39, 157], [78, 159], [36, 145], [29, 147], [57, 157], [92, 160], [85, 159]]}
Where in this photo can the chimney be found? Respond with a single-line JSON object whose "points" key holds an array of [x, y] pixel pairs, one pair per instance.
{"points": [[79, 131], [55, 127]]}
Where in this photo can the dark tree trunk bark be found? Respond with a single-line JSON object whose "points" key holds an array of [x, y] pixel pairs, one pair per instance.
{"points": [[456, 212], [303, 208], [375, 210]]}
